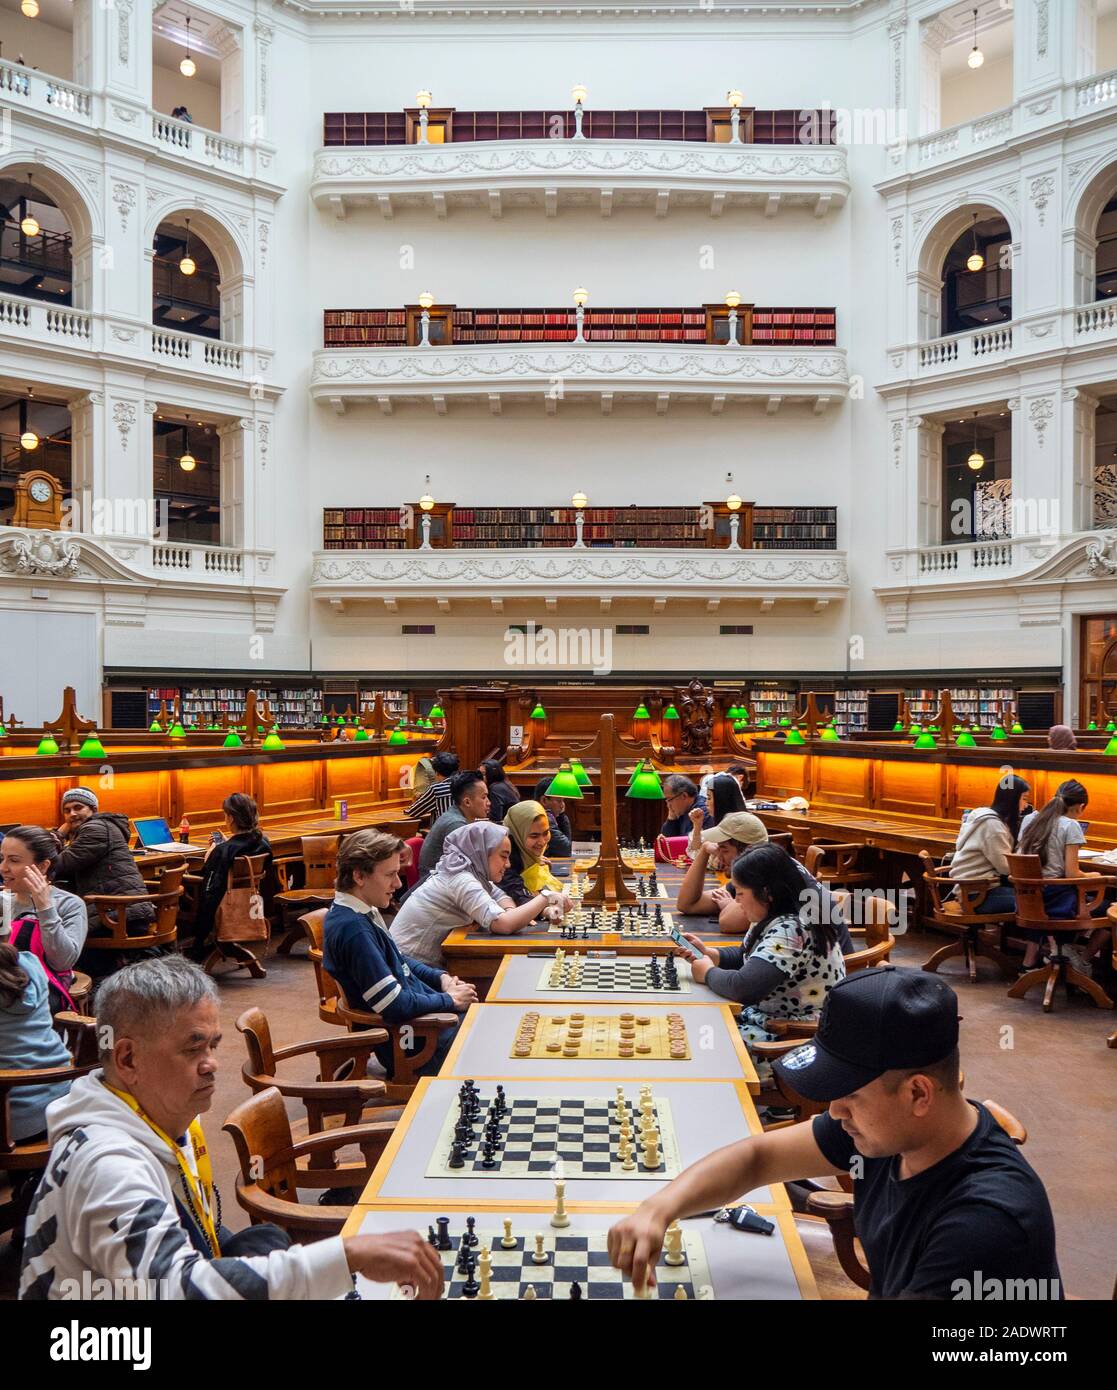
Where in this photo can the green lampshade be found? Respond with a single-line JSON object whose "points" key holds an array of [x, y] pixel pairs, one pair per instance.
{"points": [[933, 729], [645, 786], [975, 728], [396, 737], [214, 728], [916, 729], [340, 719], [637, 769], [898, 727], [362, 735], [437, 712], [273, 743], [1111, 747], [1018, 728], [3, 731], [785, 722], [92, 747], [830, 735], [565, 784], [155, 727], [670, 712], [579, 772], [538, 712], [1093, 724], [232, 740], [641, 711], [739, 726], [794, 736], [1110, 728], [997, 734], [325, 719], [965, 740], [47, 747], [925, 741], [763, 723], [176, 731]]}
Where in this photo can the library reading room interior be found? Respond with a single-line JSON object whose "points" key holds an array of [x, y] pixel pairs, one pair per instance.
{"points": [[558, 599]]}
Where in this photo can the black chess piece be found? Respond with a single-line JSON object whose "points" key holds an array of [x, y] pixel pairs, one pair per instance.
{"points": [[501, 1100], [457, 1155], [487, 1160], [444, 1242], [471, 1288], [464, 1257], [658, 915], [575, 1290], [353, 1296], [432, 1239], [470, 1236]]}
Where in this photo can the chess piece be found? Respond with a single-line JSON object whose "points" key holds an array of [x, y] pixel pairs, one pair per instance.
{"points": [[651, 1154], [575, 1290], [457, 1155], [486, 1268], [529, 1292], [628, 1163], [470, 1237], [444, 1242], [539, 1255], [471, 1288], [673, 1245], [680, 1292], [432, 1239], [559, 1218], [508, 1240]]}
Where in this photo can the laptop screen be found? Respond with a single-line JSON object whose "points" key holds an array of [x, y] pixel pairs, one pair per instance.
{"points": [[153, 831]]}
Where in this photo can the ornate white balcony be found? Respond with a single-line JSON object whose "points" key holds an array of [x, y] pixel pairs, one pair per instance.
{"points": [[33, 323], [661, 373], [658, 577], [556, 174], [1077, 332]]}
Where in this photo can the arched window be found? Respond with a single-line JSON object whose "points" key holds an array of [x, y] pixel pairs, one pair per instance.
{"points": [[977, 276], [186, 282], [1105, 274], [36, 244]]}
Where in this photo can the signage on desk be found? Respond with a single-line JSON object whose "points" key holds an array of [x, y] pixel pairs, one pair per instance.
{"points": [[341, 809], [516, 734]]}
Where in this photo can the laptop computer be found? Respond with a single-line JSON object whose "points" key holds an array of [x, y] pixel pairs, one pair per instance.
{"points": [[155, 835]]}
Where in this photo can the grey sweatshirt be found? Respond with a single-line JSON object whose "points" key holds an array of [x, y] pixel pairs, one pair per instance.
{"points": [[63, 925], [983, 842]]}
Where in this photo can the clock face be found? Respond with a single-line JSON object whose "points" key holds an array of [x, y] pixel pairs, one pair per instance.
{"points": [[41, 490]]}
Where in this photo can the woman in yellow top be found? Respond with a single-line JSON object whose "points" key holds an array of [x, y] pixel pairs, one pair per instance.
{"points": [[528, 871]]}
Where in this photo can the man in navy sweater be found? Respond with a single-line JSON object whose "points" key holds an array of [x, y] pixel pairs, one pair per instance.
{"points": [[368, 965]]}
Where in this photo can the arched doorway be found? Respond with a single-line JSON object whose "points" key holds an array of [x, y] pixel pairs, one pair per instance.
{"points": [[186, 279], [977, 276]]}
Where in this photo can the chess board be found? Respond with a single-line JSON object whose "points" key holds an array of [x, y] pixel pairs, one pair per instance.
{"points": [[573, 1256], [618, 923], [601, 976], [645, 1037], [539, 1132]]}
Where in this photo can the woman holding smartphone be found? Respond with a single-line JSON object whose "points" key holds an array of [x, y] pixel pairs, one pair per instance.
{"points": [[242, 836]]}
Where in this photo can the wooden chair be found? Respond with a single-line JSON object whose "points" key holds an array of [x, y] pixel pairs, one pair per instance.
{"points": [[836, 1208], [333, 1007], [246, 872], [955, 907], [785, 840], [1027, 880], [113, 912], [23, 1160], [341, 1088], [878, 916], [316, 864], [80, 991], [273, 1166], [839, 866]]}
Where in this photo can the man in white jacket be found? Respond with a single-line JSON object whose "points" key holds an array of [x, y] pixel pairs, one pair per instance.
{"points": [[126, 1207]]}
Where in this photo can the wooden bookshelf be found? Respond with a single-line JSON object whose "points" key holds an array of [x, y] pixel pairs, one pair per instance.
{"points": [[525, 528], [698, 324], [710, 125]]}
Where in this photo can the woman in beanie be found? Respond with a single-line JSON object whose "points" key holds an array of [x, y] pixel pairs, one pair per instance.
{"points": [[95, 859]]}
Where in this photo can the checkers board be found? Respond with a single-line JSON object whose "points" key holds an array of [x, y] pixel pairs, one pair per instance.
{"points": [[648, 1037]]}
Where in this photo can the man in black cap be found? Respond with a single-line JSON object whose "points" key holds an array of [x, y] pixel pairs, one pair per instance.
{"points": [[945, 1205]]}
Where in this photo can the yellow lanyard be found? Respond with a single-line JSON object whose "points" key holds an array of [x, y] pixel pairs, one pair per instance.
{"points": [[202, 1186]]}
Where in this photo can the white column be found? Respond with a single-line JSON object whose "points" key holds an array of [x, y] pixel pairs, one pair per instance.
{"points": [[924, 463], [87, 422], [1076, 473], [925, 299], [1053, 43], [258, 76], [112, 55], [932, 35], [229, 44], [236, 310], [235, 481], [121, 290], [1040, 465], [1037, 272], [1080, 259]]}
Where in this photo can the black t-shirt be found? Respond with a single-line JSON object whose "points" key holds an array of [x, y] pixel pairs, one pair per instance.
{"points": [[979, 1214]]}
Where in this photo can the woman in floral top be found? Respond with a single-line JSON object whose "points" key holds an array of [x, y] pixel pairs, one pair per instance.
{"points": [[786, 965]]}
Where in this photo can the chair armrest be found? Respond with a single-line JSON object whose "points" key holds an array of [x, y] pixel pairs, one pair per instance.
{"points": [[836, 1208], [315, 1221], [373, 1037], [790, 1028], [42, 1076], [375, 1132], [126, 899], [769, 1050], [425, 1022], [364, 1089]]}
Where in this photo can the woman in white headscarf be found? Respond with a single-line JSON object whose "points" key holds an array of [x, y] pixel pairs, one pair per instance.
{"points": [[464, 889]]}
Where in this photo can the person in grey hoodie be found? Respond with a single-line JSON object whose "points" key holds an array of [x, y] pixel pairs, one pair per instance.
{"points": [[987, 836], [128, 1207], [27, 857], [28, 1041]]}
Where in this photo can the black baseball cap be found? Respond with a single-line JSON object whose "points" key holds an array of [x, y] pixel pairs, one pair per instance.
{"points": [[873, 1021]]}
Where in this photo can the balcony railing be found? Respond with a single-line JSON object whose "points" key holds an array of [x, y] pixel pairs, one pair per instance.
{"points": [[972, 558], [199, 560]]}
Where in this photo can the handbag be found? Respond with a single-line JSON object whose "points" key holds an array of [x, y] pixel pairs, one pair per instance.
{"points": [[240, 913]]}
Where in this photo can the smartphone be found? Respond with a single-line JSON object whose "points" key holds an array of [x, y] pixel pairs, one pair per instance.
{"points": [[692, 951], [215, 837]]}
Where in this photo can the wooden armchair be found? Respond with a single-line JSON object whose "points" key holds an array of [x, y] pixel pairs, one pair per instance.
{"points": [[1025, 874], [785, 840], [316, 866], [840, 866], [333, 1007], [341, 1088], [247, 871], [273, 1166], [112, 909], [955, 907], [877, 916], [836, 1208], [23, 1160]]}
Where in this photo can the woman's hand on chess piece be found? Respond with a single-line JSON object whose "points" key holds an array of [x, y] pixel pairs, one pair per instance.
{"points": [[400, 1257], [635, 1243]]}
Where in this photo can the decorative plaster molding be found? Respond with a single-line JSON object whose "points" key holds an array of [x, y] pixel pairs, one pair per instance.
{"points": [[1041, 28], [124, 417], [124, 31], [1040, 190], [39, 552], [124, 196], [1040, 411]]}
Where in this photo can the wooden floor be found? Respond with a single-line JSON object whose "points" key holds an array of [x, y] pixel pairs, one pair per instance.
{"points": [[1053, 1071]]}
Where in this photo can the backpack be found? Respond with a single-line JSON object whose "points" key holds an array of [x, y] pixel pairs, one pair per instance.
{"points": [[28, 936]]}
